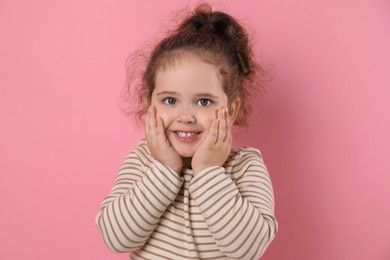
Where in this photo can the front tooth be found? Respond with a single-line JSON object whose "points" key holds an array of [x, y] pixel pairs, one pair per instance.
{"points": [[185, 135]]}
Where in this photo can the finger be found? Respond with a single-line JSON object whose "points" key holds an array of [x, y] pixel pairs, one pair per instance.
{"points": [[228, 129], [159, 123], [229, 135], [229, 123], [151, 130], [160, 131], [152, 117], [213, 132], [147, 124], [222, 126]]}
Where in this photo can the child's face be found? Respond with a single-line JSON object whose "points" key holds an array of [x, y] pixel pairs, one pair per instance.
{"points": [[187, 96]]}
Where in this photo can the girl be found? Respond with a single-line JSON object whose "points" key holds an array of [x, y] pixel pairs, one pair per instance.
{"points": [[184, 193]]}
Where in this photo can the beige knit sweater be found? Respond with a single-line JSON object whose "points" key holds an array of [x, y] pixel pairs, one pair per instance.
{"points": [[220, 213]]}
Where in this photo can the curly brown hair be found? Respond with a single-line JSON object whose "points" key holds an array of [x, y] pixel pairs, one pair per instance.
{"points": [[214, 37]]}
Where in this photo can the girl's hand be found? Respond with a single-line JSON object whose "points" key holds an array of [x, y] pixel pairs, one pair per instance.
{"points": [[158, 143], [215, 149]]}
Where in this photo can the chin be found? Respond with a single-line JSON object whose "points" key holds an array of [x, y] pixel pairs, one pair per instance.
{"points": [[185, 150], [186, 154]]}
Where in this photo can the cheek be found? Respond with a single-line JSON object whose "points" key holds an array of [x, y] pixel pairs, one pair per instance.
{"points": [[206, 117], [164, 114]]}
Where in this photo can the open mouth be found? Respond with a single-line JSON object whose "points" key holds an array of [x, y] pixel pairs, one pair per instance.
{"points": [[187, 135]]}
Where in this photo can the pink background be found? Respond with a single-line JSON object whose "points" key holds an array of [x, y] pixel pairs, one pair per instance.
{"points": [[323, 126]]}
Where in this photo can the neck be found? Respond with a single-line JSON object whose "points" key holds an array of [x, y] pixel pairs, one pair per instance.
{"points": [[187, 162]]}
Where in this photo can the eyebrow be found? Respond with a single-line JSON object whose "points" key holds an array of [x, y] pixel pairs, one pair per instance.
{"points": [[166, 93], [207, 95], [204, 95]]}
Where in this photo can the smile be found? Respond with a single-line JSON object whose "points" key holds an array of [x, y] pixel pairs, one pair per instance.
{"points": [[186, 134]]}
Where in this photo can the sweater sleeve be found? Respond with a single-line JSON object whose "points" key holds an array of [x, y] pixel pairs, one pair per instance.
{"points": [[239, 212], [139, 196]]}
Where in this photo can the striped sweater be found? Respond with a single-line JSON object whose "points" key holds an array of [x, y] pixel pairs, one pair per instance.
{"points": [[220, 213]]}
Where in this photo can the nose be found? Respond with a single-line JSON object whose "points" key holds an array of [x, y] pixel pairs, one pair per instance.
{"points": [[186, 115]]}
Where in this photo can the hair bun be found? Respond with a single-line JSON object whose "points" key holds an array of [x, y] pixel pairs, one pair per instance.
{"points": [[215, 37], [204, 20], [226, 30]]}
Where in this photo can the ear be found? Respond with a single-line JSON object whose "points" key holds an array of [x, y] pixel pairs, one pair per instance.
{"points": [[234, 108]]}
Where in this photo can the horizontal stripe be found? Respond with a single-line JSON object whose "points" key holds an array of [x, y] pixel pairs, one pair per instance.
{"points": [[153, 213]]}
